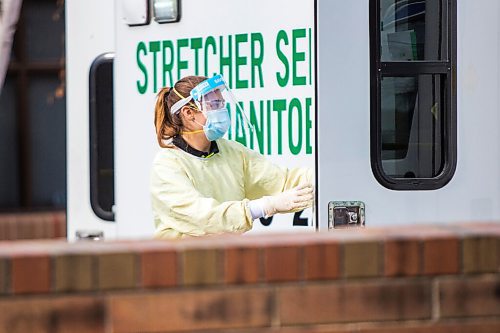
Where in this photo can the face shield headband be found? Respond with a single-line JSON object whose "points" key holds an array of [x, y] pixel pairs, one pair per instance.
{"points": [[198, 92], [200, 95]]}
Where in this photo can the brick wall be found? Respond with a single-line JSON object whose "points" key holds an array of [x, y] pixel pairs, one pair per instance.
{"points": [[374, 280], [35, 225]]}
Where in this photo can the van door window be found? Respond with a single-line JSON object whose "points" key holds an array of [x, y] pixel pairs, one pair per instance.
{"points": [[102, 193], [413, 94]]}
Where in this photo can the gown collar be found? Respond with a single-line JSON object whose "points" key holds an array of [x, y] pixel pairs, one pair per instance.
{"points": [[180, 143]]}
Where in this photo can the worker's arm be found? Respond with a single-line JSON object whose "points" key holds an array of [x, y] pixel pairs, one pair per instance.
{"points": [[183, 211], [264, 178]]}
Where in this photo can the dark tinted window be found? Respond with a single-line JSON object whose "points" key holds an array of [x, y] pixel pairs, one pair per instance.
{"points": [[101, 137], [411, 125], [413, 99], [413, 30]]}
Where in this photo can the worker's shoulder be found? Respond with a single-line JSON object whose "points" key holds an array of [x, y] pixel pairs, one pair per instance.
{"points": [[232, 146], [165, 155]]}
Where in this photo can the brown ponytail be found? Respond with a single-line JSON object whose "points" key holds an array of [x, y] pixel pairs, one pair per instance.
{"points": [[167, 124]]}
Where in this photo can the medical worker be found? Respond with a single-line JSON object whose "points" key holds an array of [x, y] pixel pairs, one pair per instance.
{"points": [[203, 184]]}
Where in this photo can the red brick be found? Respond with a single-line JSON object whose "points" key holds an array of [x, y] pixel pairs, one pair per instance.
{"points": [[116, 271], [59, 229], [282, 263], [73, 273], [481, 254], [321, 261], [241, 265], [11, 226], [436, 328], [476, 326], [354, 302], [461, 327], [361, 259], [402, 257], [29, 225], [30, 274], [190, 310], [471, 296], [426, 326], [200, 267], [70, 314], [4, 276], [441, 256], [158, 269]]}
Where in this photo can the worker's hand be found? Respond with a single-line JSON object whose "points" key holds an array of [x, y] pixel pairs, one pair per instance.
{"points": [[295, 199]]}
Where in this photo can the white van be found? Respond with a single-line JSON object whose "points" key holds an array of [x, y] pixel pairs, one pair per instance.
{"points": [[394, 103]]}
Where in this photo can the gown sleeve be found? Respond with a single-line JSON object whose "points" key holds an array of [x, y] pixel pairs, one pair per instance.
{"points": [[263, 178], [180, 210]]}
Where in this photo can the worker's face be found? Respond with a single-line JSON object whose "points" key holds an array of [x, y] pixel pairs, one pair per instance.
{"points": [[212, 101], [200, 118], [194, 118]]}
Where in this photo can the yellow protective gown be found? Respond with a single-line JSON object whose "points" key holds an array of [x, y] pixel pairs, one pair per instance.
{"points": [[193, 196]]}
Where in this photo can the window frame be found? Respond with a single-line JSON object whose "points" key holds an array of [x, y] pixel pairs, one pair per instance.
{"points": [[380, 69], [94, 138]]}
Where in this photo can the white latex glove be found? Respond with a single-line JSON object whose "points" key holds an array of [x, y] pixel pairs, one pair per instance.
{"points": [[295, 199]]}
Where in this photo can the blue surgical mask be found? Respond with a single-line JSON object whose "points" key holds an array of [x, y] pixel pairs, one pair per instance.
{"points": [[217, 124]]}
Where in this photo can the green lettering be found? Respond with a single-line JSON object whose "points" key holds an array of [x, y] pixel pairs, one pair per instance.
{"points": [[257, 38], [238, 39], [258, 127], [295, 105], [282, 80], [269, 113], [167, 67], [181, 64], [226, 61], [141, 47], [196, 44], [240, 135], [210, 41], [310, 58], [308, 125], [154, 47], [279, 105], [297, 56]]}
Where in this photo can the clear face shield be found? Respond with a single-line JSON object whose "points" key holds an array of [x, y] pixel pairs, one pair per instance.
{"points": [[212, 97]]}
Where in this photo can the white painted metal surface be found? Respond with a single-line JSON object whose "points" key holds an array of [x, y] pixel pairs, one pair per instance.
{"points": [[345, 173], [343, 90], [89, 33], [257, 44]]}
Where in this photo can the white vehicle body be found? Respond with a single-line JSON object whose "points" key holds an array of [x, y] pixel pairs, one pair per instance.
{"points": [[302, 70]]}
